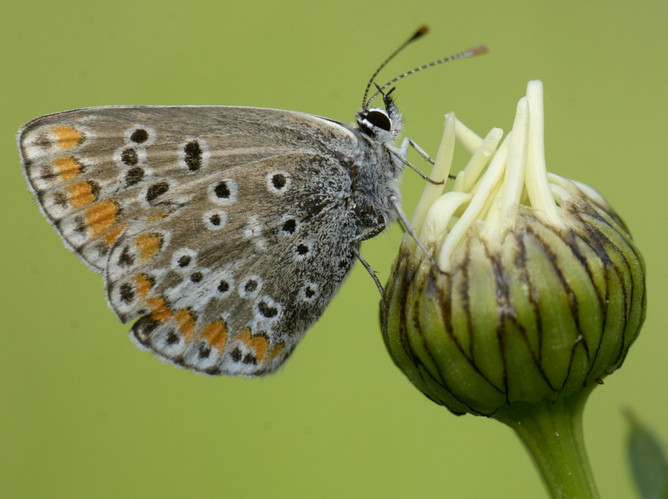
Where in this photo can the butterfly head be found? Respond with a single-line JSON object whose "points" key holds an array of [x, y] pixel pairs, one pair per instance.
{"points": [[382, 125]]}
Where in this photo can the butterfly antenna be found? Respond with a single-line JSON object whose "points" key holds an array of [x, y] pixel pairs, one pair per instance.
{"points": [[422, 30], [480, 49]]}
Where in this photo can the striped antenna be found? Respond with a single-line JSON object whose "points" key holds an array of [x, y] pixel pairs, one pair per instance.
{"points": [[480, 49]]}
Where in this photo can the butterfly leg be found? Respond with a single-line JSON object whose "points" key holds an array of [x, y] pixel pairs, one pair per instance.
{"points": [[370, 270], [421, 152], [410, 142], [403, 151], [372, 232], [400, 154], [407, 226]]}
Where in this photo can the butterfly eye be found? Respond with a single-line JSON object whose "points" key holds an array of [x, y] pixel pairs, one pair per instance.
{"points": [[379, 119]]}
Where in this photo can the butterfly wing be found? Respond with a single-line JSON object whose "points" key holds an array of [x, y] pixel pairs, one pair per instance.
{"points": [[226, 230]]}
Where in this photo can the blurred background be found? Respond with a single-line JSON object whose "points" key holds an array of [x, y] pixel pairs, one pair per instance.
{"points": [[83, 413]]}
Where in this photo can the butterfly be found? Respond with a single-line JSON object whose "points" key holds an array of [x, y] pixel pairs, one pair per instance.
{"points": [[225, 231]]}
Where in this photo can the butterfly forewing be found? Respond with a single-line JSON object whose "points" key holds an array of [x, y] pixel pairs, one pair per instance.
{"points": [[227, 240]]}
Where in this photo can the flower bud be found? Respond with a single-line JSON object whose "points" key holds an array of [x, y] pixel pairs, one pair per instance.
{"points": [[533, 288]]}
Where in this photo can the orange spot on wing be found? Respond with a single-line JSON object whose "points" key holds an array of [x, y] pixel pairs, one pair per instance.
{"points": [[101, 216], [186, 323], [156, 216], [111, 236], [144, 285], [81, 194], [68, 168], [66, 136], [159, 309], [276, 351], [258, 343], [216, 335], [148, 245]]}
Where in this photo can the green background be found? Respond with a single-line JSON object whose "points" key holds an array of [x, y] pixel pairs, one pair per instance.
{"points": [[83, 413]]}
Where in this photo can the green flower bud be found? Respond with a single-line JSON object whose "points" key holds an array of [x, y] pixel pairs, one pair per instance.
{"points": [[533, 288]]}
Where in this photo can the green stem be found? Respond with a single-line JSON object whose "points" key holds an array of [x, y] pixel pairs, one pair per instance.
{"points": [[552, 433]]}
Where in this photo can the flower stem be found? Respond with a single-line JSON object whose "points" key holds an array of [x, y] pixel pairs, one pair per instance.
{"points": [[552, 433]]}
